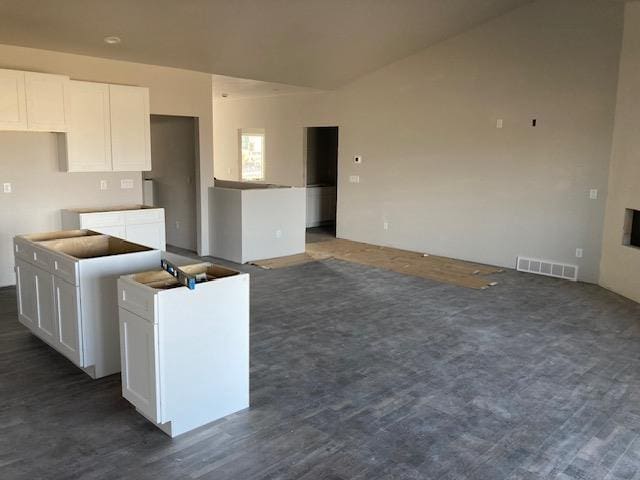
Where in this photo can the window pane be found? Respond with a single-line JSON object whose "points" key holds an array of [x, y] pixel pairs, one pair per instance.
{"points": [[252, 157]]}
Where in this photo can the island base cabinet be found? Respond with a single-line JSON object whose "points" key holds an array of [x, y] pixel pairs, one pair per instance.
{"points": [[185, 353], [66, 292]]}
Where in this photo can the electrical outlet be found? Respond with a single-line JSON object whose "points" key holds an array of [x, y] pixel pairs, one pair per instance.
{"points": [[385, 225], [593, 194], [354, 179], [499, 123], [103, 184], [6, 188], [126, 183], [278, 233], [579, 253], [177, 225]]}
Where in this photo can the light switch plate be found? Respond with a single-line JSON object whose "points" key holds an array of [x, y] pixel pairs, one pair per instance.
{"points": [[593, 194], [126, 183], [6, 188], [579, 253], [499, 123], [354, 179], [103, 184]]}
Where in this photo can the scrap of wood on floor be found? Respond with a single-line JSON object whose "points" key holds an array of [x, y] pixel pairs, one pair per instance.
{"points": [[432, 267]]}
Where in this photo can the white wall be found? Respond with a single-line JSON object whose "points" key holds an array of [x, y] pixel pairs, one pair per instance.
{"points": [[173, 150], [172, 92], [284, 118], [620, 267], [447, 181]]}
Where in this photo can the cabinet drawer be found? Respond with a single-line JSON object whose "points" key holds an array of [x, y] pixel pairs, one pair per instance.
{"points": [[144, 216], [23, 249], [137, 299], [102, 219], [66, 269], [29, 252]]}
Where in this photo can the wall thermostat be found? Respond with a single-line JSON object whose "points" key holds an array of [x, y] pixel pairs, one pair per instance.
{"points": [[357, 159]]}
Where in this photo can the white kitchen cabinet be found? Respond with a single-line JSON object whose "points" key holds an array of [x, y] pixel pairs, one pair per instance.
{"points": [[109, 128], [135, 223], [46, 106], [130, 128], [67, 292], [185, 353], [13, 105], [87, 145], [33, 101]]}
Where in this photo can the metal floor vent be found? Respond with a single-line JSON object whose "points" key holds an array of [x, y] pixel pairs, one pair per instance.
{"points": [[550, 269]]}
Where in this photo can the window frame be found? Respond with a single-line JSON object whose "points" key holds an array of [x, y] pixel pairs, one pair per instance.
{"points": [[254, 132]]}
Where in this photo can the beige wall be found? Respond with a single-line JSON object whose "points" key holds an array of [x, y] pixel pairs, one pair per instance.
{"points": [[284, 118], [172, 92], [173, 150], [30, 162], [436, 169], [447, 181], [620, 266]]}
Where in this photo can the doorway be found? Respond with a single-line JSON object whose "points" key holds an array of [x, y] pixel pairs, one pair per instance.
{"points": [[171, 184], [321, 153]]}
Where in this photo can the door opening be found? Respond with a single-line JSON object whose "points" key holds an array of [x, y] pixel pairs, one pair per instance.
{"points": [[321, 182], [172, 182]]}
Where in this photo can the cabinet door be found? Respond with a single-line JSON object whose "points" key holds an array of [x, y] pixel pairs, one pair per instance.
{"points": [[13, 104], [27, 294], [139, 360], [46, 110], [88, 143], [130, 137], [148, 234], [67, 317], [45, 320]]}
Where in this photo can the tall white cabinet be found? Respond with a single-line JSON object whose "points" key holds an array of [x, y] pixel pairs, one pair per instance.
{"points": [[109, 128]]}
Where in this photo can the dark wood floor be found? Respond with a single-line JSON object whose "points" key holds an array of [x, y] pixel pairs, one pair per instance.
{"points": [[362, 374]]}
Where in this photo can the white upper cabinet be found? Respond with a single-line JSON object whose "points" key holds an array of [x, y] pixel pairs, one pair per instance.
{"points": [[88, 143], [46, 109], [13, 105], [130, 137], [109, 128]]}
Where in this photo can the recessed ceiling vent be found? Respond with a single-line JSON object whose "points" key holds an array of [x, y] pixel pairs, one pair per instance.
{"points": [[548, 268]]}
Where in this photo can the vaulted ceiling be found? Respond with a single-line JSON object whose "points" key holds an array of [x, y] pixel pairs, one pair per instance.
{"points": [[314, 43]]}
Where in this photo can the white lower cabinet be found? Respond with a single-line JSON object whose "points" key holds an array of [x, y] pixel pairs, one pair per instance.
{"points": [[185, 353], [66, 286], [137, 224]]}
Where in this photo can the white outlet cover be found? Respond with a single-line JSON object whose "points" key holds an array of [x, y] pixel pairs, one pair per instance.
{"points": [[385, 225], [354, 179], [6, 188], [593, 194], [103, 184], [278, 233], [579, 253], [499, 123], [126, 183]]}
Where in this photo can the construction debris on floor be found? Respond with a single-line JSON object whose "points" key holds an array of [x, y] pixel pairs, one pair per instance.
{"points": [[440, 269]]}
